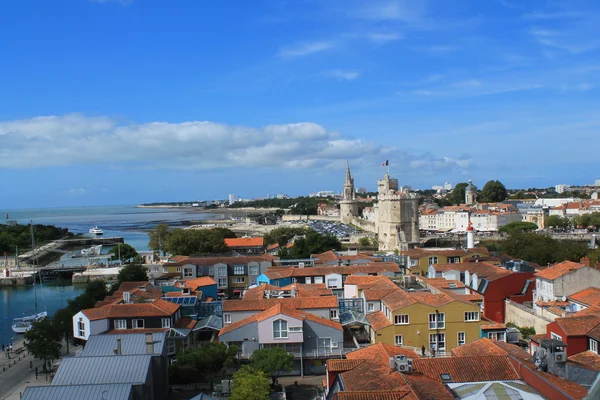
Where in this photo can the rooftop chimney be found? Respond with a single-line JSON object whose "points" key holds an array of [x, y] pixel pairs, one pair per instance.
{"points": [[149, 344]]}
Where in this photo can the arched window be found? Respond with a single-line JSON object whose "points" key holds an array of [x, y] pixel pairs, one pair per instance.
{"points": [[280, 329]]}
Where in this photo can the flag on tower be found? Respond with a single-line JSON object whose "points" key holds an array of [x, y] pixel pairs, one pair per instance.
{"points": [[385, 164]]}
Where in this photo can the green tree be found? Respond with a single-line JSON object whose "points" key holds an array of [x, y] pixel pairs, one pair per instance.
{"points": [[43, 341], [189, 242], [364, 242], [518, 226], [209, 360], [123, 252], [133, 272], [250, 384], [272, 361], [62, 320], [159, 237], [283, 234], [457, 196], [94, 292], [313, 243], [556, 221], [493, 192]]}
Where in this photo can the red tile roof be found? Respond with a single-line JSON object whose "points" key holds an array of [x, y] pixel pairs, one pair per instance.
{"points": [[398, 299], [558, 270], [245, 242], [157, 308], [380, 352], [378, 320], [493, 326], [370, 268], [578, 325], [467, 369], [186, 323], [195, 283], [280, 309], [229, 260], [373, 376], [340, 365], [434, 300], [480, 347], [427, 389], [589, 296], [483, 269], [587, 359], [300, 303], [376, 395]]}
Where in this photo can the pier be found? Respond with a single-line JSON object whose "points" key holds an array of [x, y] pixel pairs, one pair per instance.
{"points": [[65, 245]]}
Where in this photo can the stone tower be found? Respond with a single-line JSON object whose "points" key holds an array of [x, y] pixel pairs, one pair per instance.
{"points": [[470, 194], [348, 204], [397, 216]]}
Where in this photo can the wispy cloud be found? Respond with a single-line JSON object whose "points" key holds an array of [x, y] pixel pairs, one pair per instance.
{"points": [[581, 87], [552, 15], [382, 10], [76, 191], [304, 49], [122, 2], [344, 75], [384, 37]]}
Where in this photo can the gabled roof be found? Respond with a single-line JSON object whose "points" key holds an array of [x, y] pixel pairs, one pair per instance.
{"points": [[481, 347], [158, 308], [398, 299], [378, 320], [195, 283], [557, 270], [589, 296], [405, 394], [587, 359], [467, 369], [339, 365], [280, 309], [374, 376], [380, 352], [433, 300], [578, 325], [244, 242], [483, 269]]}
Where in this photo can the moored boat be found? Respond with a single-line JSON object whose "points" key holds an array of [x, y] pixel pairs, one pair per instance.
{"points": [[24, 324], [96, 231]]}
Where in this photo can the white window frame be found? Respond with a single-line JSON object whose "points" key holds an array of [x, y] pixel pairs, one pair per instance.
{"points": [[324, 342], [370, 307], [333, 313], [280, 333], [165, 322], [120, 324], [239, 279], [555, 336], [226, 318], [179, 268], [494, 336], [401, 319], [252, 270], [238, 270], [435, 344], [136, 323], [222, 271], [464, 338], [471, 316], [187, 273], [436, 322], [593, 346], [433, 260], [81, 327], [398, 340], [295, 329], [222, 285]]}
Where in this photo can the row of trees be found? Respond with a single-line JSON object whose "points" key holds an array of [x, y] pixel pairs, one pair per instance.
{"points": [[584, 221], [312, 242], [493, 191], [13, 236], [189, 241], [296, 205], [250, 382]]}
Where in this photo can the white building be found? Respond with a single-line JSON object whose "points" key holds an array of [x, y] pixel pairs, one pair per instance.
{"points": [[231, 198], [456, 218], [561, 188], [597, 183]]}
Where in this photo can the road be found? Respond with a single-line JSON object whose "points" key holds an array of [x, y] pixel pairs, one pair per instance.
{"points": [[14, 379]]}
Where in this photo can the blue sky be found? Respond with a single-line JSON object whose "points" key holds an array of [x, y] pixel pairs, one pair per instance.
{"points": [[121, 102]]}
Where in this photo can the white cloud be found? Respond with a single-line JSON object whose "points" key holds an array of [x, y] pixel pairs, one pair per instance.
{"points": [[304, 49], [468, 83], [343, 75], [384, 37], [195, 145], [76, 191]]}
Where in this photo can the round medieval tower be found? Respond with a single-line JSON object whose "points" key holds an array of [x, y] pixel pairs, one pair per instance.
{"points": [[348, 204]]}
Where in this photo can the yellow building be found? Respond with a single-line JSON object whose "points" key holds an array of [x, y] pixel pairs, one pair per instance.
{"points": [[437, 321], [420, 259]]}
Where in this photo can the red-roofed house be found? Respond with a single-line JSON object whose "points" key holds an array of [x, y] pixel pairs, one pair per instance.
{"points": [[564, 279], [573, 331], [309, 337], [246, 245]]}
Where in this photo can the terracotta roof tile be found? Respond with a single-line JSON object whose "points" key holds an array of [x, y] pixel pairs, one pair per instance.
{"points": [[558, 270], [380, 352], [578, 325], [434, 300], [493, 326], [482, 269], [426, 388], [300, 303], [94, 314], [335, 365], [589, 296], [369, 268], [278, 273], [587, 359], [373, 376], [157, 308], [186, 323], [377, 294], [376, 395], [467, 369], [480, 347], [229, 260], [398, 299], [195, 283], [378, 320], [244, 242]]}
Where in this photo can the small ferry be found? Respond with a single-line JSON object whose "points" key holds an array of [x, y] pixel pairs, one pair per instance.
{"points": [[24, 324], [96, 231]]}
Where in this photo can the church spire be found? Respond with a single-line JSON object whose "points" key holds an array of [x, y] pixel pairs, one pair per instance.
{"points": [[348, 175], [348, 184]]}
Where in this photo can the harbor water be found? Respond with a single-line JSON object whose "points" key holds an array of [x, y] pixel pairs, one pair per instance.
{"points": [[17, 302]]}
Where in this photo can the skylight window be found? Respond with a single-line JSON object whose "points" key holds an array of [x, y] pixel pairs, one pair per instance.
{"points": [[446, 377]]}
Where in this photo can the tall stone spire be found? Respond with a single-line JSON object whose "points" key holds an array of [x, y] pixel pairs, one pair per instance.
{"points": [[348, 184]]}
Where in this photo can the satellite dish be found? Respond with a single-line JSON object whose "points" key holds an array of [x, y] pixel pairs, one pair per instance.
{"points": [[564, 298]]}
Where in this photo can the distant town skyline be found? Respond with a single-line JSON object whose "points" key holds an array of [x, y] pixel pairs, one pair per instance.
{"points": [[125, 102]]}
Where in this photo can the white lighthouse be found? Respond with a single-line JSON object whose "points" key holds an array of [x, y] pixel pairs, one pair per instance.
{"points": [[470, 236]]}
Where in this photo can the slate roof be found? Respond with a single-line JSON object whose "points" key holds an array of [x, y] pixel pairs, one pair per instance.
{"points": [[78, 392], [103, 370], [131, 344], [558, 270]]}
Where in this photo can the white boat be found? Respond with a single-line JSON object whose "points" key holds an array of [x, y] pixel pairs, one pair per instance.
{"points": [[96, 231], [24, 324]]}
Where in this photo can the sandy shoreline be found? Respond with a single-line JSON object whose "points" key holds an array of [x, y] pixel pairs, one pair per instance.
{"points": [[218, 211]]}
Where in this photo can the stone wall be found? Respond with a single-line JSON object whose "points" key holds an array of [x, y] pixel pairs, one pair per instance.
{"points": [[524, 316]]}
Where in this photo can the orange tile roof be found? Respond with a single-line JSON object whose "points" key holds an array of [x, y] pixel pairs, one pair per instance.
{"points": [[195, 283], [229, 260], [587, 359], [589, 296], [244, 242], [377, 294], [300, 303], [380, 352], [157, 308], [369, 268], [558, 270], [339, 365], [186, 323], [272, 246], [427, 389], [480, 347], [378, 320], [280, 309], [278, 273], [493, 326], [434, 300], [468, 369], [373, 376], [578, 325], [376, 395], [556, 311], [94, 314], [398, 299], [175, 294], [483, 269]]}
